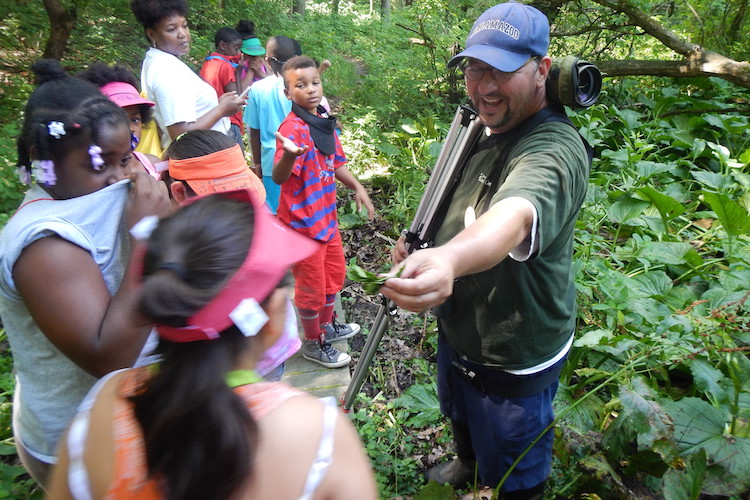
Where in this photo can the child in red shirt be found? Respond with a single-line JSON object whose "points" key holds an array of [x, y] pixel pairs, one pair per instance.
{"points": [[308, 160]]}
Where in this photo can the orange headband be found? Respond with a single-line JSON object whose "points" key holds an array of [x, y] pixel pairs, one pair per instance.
{"points": [[212, 166]]}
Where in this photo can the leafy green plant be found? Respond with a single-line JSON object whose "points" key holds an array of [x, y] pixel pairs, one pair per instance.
{"points": [[412, 151], [386, 441], [371, 282], [654, 395]]}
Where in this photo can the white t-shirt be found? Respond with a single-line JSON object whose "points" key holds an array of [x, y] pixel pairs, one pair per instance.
{"points": [[173, 86]]}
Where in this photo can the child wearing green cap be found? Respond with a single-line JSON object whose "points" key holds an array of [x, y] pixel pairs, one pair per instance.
{"points": [[252, 67]]}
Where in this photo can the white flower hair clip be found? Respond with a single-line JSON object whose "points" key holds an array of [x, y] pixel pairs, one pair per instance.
{"points": [[56, 129], [95, 152]]}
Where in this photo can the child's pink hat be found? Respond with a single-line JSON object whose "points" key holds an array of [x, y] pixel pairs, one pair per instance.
{"points": [[123, 94]]}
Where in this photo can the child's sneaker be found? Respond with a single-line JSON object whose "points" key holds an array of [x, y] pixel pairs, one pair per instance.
{"points": [[324, 354], [337, 331]]}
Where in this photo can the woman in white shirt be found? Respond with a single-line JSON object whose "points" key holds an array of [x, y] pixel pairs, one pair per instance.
{"points": [[184, 101]]}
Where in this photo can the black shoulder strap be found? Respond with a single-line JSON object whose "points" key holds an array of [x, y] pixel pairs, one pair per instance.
{"points": [[544, 115]]}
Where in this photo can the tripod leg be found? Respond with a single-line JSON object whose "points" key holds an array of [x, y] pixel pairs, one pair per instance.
{"points": [[379, 326]]}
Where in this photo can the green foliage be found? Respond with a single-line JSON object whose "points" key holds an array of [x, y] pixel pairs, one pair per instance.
{"points": [[411, 150], [655, 391], [386, 438], [662, 275], [350, 217], [371, 282], [11, 189], [15, 483]]}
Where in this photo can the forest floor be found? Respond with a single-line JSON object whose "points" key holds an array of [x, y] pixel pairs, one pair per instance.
{"points": [[403, 339]]}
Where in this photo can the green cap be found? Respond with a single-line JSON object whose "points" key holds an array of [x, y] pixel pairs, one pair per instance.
{"points": [[252, 47]]}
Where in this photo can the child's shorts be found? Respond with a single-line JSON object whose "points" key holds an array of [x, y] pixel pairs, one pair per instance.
{"points": [[321, 274]]}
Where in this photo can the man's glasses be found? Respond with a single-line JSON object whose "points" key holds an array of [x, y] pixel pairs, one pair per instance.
{"points": [[476, 73]]}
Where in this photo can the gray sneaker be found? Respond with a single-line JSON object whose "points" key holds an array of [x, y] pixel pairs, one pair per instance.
{"points": [[337, 331], [324, 354]]}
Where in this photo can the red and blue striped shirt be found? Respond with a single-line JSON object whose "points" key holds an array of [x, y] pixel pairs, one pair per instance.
{"points": [[308, 198]]}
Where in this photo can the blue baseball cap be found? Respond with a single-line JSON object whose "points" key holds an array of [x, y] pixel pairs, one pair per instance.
{"points": [[506, 36]]}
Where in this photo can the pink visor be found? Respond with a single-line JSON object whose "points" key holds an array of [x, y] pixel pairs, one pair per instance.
{"points": [[273, 250], [123, 94]]}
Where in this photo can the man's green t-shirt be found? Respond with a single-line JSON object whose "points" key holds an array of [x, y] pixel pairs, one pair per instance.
{"points": [[520, 314]]}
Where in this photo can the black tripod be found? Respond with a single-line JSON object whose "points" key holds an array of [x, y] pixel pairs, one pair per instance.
{"points": [[462, 136]]}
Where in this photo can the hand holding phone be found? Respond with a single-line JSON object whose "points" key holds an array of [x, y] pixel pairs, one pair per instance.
{"points": [[244, 92]]}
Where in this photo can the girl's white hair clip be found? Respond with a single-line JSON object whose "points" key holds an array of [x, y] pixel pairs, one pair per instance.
{"points": [[56, 129]]}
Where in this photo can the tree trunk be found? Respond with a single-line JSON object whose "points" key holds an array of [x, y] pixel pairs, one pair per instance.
{"points": [[735, 28], [695, 62], [299, 7], [335, 7], [385, 10], [62, 20], [699, 63]]}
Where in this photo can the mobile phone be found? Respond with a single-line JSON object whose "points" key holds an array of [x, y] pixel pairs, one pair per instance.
{"points": [[244, 92]]}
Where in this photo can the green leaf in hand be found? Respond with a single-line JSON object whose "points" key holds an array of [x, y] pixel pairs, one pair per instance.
{"points": [[371, 282]]}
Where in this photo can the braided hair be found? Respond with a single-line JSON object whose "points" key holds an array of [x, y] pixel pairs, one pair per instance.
{"points": [[62, 114]]}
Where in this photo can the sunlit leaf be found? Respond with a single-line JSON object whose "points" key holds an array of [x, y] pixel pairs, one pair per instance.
{"points": [[592, 337], [626, 208], [651, 310], [698, 146], [665, 252], [631, 118], [733, 217], [698, 425], [654, 283], [409, 129], [421, 400], [715, 121], [647, 169], [710, 179], [667, 206], [707, 380]]}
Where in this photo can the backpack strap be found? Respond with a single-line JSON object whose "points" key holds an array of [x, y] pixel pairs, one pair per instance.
{"points": [[234, 65], [544, 115]]}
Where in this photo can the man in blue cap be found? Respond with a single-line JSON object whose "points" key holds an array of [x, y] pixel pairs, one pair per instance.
{"points": [[502, 263]]}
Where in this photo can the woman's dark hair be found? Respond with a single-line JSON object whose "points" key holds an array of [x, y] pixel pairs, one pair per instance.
{"points": [[200, 438], [226, 35], [78, 105], [100, 74], [150, 12], [198, 143], [284, 49], [246, 29]]}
